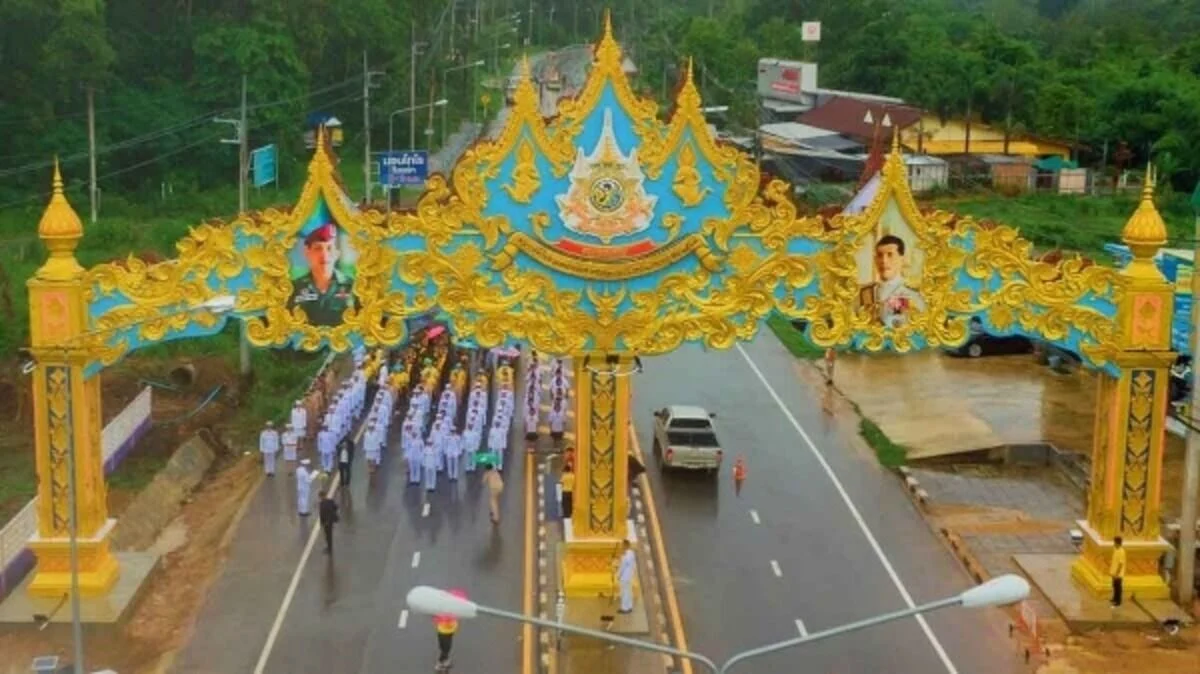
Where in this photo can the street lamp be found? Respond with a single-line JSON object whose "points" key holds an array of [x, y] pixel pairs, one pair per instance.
{"points": [[447, 71], [1001, 591], [216, 306], [391, 132], [715, 109]]}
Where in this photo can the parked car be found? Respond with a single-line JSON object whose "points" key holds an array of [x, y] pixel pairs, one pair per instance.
{"points": [[684, 437], [981, 343]]}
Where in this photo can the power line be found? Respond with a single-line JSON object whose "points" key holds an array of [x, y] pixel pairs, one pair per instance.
{"points": [[141, 105]]}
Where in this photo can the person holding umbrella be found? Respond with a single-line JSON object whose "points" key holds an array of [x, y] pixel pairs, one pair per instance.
{"points": [[447, 626]]}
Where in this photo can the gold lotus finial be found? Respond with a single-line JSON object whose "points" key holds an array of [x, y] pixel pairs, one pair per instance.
{"points": [[895, 140], [60, 223], [1145, 232], [688, 98], [608, 29]]}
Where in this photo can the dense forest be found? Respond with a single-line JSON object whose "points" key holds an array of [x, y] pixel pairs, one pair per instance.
{"points": [[1105, 72]]}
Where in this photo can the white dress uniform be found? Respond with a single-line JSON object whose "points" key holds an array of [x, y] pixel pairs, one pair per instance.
{"points": [[304, 480], [429, 466], [625, 574], [498, 443], [268, 444], [453, 444], [532, 417], [558, 419], [325, 445], [410, 441], [374, 447], [290, 441], [300, 421]]}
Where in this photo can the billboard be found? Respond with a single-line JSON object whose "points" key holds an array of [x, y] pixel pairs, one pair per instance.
{"points": [[403, 168], [792, 81]]}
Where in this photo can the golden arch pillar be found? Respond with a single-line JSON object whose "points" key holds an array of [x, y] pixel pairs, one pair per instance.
{"points": [[1127, 456], [595, 533], [67, 417]]}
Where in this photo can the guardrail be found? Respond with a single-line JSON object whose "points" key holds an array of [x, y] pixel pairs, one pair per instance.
{"points": [[117, 438]]}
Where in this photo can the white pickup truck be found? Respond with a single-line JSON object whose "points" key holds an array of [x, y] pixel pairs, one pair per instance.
{"points": [[684, 437]]}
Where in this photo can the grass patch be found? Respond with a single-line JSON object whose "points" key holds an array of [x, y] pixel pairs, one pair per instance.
{"points": [[793, 339], [1072, 222], [890, 454], [17, 482]]}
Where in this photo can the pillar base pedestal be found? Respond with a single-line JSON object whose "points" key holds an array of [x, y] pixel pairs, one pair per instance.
{"points": [[589, 565], [1142, 577], [98, 568]]}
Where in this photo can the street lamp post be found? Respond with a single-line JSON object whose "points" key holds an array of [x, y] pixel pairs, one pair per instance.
{"points": [[447, 71], [392, 129], [1001, 591], [219, 305]]}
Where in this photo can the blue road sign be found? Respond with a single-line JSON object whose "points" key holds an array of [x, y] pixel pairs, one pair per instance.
{"points": [[263, 162], [403, 168]]}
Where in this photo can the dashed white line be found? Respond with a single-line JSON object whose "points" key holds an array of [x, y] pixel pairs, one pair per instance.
{"points": [[799, 627], [854, 513], [776, 569], [291, 591], [404, 619], [754, 516], [425, 510], [416, 559]]}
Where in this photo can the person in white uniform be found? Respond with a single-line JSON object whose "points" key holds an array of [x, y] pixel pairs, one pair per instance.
{"points": [[304, 479], [625, 572], [498, 442], [429, 466], [326, 444], [268, 444], [453, 453], [410, 441], [372, 446], [558, 420], [290, 442], [300, 423]]}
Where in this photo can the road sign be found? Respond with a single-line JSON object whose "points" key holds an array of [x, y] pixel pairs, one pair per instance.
{"points": [[403, 168], [810, 31], [264, 163]]}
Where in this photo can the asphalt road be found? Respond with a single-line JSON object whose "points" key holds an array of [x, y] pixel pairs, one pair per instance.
{"points": [[348, 611], [789, 555]]}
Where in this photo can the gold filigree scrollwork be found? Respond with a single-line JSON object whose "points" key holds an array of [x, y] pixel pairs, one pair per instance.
{"points": [[1134, 490], [58, 407], [620, 268], [601, 453], [687, 183], [525, 177]]}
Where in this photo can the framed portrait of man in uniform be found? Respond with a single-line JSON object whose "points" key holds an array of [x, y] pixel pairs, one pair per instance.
{"points": [[322, 266], [890, 267]]}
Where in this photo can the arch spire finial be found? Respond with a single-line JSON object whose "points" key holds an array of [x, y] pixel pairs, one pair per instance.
{"points": [[1145, 232]]}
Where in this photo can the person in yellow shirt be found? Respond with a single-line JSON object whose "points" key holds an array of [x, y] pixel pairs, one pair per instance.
{"points": [[1116, 569], [568, 491]]}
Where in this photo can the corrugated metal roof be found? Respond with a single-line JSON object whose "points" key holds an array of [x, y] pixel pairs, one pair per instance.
{"points": [[846, 116]]}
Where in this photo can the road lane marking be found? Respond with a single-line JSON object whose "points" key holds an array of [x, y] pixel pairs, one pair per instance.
{"points": [[800, 628], [404, 619], [754, 516], [775, 568], [291, 591], [416, 559], [527, 641], [858, 518], [667, 584], [425, 510]]}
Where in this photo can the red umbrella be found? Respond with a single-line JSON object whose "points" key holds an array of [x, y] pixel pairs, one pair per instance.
{"points": [[435, 331]]}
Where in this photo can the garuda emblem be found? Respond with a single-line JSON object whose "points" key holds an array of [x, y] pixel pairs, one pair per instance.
{"points": [[607, 198]]}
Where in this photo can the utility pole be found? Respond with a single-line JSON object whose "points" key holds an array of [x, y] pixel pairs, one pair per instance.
{"points": [[529, 32], [243, 169], [366, 130], [414, 49], [1191, 467], [91, 114], [242, 140], [368, 84]]}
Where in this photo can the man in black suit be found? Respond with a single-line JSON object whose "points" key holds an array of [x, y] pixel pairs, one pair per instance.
{"points": [[327, 510]]}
